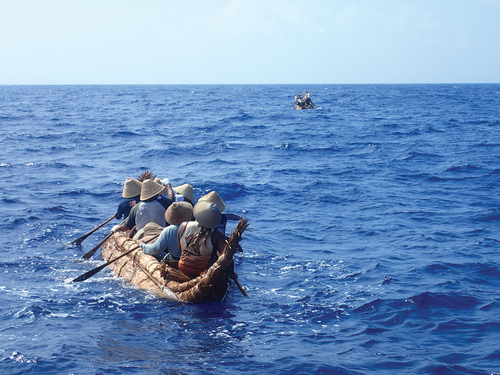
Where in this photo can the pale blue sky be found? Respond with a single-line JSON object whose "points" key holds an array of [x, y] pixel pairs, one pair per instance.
{"points": [[249, 41]]}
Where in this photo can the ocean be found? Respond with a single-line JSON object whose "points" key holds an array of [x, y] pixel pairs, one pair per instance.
{"points": [[373, 245]]}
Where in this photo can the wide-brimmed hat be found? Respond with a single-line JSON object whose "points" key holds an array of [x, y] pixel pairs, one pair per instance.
{"points": [[131, 188], [207, 214], [178, 212], [213, 197], [186, 190], [150, 189]]}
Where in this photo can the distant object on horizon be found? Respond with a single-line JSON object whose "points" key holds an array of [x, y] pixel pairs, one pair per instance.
{"points": [[303, 102]]}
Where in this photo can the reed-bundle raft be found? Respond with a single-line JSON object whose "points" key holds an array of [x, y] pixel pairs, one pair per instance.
{"points": [[164, 280]]}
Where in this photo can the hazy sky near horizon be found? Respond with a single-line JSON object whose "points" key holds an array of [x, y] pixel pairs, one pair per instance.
{"points": [[249, 41]]}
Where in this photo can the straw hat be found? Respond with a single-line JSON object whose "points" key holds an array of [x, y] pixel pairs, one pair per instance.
{"points": [[150, 189], [213, 197], [178, 212], [132, 188], [158, 180], [186, 190], [207, 214]]}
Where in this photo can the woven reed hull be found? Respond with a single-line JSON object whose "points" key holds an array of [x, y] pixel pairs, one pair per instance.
{"points": [[143, 271]]}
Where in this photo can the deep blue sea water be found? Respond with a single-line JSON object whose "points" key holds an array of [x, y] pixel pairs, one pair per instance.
{"points": [[374, 245]]}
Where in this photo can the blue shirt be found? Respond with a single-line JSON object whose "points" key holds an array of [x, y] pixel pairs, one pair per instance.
{"points": [[125, 206], [166, 242]]}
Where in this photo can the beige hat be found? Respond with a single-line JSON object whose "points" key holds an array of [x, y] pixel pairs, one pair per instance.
{"points": [[213, 197], [132, 188], [158, 180], [186, 190], [178, 212], [207, 214], [150, 189]]}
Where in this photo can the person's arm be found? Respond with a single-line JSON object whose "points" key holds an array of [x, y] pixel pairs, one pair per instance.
{"points": [[159, 246], [119, 228], [170, 191], [129, 221], [233, 217], [219, 241], [122, 207]]}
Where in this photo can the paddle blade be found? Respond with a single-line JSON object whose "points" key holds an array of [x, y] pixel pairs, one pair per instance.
{"points": [[79, 240], [89, 274], [89, 254]]}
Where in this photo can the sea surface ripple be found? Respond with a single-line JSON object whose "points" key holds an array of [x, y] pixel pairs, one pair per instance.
{"points": [[373, 243]]}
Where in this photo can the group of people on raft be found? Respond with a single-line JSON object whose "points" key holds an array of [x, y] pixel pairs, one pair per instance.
{"points": [[303, 102], [192, 234]]}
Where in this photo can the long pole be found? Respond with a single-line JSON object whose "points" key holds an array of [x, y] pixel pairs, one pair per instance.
{"points": [[82, 238], [92, 272], [89, 254]]}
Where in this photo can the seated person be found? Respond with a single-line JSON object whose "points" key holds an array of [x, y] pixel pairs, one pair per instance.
{"points": [[131, 194], [184, 193], [149, 210], [176, 214], [200, 241]]}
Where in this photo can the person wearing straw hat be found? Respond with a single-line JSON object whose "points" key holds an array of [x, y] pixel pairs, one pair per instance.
{"points": [[131, 194], [214, 197], [176, 214], [200, 241], [184, 193], [149, 210]]}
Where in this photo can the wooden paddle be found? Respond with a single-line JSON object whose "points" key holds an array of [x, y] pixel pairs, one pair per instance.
{"points": [[240, 287], [89, 254], [82, 238], [91, 273]]}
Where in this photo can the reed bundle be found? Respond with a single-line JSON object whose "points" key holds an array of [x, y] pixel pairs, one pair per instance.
{"points": [[145, 272]]}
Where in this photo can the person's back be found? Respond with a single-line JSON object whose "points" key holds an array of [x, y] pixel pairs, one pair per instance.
{"points": [[200, 241], [150, 212], [176, 214], [196, 259]]}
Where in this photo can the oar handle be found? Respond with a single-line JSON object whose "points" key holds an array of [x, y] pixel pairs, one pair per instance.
{"points": [[80, 239]]}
